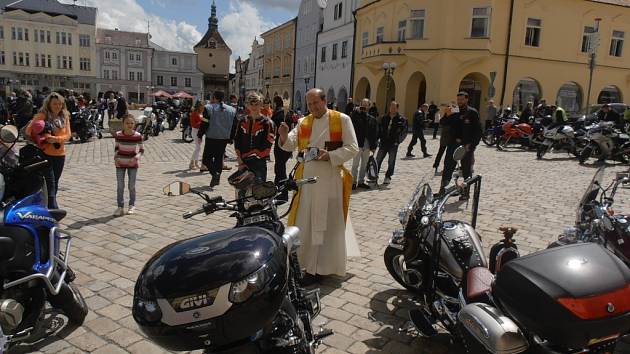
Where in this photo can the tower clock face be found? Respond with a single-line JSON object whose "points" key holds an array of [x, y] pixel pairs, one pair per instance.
{"points": [[322, 3]]}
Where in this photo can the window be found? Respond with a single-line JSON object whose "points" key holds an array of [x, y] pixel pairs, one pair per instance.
{"points": [[160, 80], [42, 37], [323, 56], [114, 74], [379, 34], [138, 57], [19, 34], [58, 62], [49, 61], [35, 37], [276, 70], [114, 55], [36, 59], [338, 11], [334, 51], [131, 57], [13, 33], [174, 62], [106, 74], [344, 49], [47, 36], [212, 44], [63, 37], [480, 22], [417, 24], [69, 38], [84, 40], [532, 34], [26, 57], [64, 64], [107, 55], [173, 80], [26, 34], [1, 32], [587, 38], [277, 45], [139, 75], [364, 39], [58, 37], [402, 29], [14, 58], [84, 64], [132, 76], [2, 62], [616, 43]]}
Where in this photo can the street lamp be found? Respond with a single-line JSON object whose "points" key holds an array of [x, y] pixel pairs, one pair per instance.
{"points": [[389, 69], [593, 44]]}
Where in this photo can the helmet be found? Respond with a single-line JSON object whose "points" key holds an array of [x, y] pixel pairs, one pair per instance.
{"points": [[242, 179], [212, 291]]}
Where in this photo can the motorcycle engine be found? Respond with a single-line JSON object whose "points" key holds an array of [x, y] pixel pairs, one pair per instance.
{"points": [[11, 313]]}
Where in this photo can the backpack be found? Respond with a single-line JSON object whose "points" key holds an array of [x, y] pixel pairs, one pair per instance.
{"points": [[372, 169]]}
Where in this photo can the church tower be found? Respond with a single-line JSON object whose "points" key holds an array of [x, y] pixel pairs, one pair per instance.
{"points": [[213, 57]]}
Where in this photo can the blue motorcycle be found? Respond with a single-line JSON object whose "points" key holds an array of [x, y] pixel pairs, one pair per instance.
{"points": [[34, 252]]}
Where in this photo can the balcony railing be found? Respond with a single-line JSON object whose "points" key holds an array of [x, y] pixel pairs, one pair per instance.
{"points": [[383, 48]]}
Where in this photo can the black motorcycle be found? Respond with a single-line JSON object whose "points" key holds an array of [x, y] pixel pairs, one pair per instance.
{"points": [[174, 115], [84, 125], [540, 303], [231, 291]]}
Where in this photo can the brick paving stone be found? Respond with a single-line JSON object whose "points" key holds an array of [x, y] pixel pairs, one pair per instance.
{"points": [[366, 307], [110, 349]]}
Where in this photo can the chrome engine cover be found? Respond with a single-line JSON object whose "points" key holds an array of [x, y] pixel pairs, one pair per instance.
{"points": [[11, 313], [492, 329]]}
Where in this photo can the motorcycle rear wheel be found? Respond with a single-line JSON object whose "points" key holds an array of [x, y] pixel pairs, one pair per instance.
{"points": [[392, 257], [585, 154], [71, 302]]}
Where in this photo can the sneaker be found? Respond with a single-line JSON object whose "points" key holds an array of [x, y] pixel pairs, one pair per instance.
{"points": [[387, 180], [132, 210], [363, 186], [119, 212], [410, 155], [427, 155]]}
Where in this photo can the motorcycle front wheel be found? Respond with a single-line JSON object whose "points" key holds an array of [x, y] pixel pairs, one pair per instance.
{"points": [[394, 258], [71, 302], [585, 154], [489, 138]]}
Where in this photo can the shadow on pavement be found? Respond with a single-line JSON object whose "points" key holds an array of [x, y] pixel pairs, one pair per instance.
{"points": [[101, 220], [331, 282], [52, 328], [389, 309]]}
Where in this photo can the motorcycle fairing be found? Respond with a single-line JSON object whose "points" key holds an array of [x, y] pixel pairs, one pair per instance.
{"points": [[591, 193]]}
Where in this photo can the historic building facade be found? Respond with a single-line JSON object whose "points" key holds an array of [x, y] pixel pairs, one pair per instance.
{"points": [[309, 22], [334, 52], [175, 71], [279, 57], [213, 57], [254, 80], [47, 43], [509, 51], [123, 61]]}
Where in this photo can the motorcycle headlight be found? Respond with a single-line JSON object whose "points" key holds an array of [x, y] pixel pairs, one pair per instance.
{"points": [[242, 290]]}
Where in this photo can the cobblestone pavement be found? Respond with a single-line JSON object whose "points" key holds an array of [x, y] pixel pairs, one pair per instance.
{"points": [[365, 309]]}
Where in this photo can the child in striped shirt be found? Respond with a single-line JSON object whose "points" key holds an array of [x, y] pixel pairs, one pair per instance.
{"points": [[128, 149]]}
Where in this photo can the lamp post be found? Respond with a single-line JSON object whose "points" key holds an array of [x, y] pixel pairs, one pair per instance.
{"points": [[389, 69], [593, 44], [267, 86]]}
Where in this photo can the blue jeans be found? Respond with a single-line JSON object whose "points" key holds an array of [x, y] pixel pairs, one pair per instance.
{"points": [[52, 176], [131, 185], [392, 151]]}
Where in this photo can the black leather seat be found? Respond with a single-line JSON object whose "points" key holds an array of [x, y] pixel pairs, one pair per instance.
{"points": [[58, 214]]}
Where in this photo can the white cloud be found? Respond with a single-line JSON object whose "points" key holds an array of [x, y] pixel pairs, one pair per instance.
{"points": [[128, 15], [239, 26]]}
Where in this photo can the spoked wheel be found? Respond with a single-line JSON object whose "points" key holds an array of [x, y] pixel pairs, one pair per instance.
{"points": [[394, 261]]}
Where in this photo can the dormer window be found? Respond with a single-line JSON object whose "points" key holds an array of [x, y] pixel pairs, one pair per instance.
{"points": [[212, 44]]}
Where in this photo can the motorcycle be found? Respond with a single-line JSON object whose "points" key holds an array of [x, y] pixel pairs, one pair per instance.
{"points": [[145, 122], [596, 221], [173, 117], [158, 124], [509, 304], [235, 290], [521, 133], [34, 254], [558, 138], [605, 142]]}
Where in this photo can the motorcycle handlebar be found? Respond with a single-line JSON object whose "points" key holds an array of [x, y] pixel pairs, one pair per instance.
{"points": [[214, 204]]}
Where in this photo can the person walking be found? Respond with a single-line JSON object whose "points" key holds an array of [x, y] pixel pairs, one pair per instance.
{"points": [[392, 131], [254, 137], [196, 117], [467, 132], [320, 210], [121, 106], [111, 107], [445, 134], [491, 114], [280, 156], [57, 123], [219, 119], [436, 120], [419, 121], [366, 131], [128, 149]]}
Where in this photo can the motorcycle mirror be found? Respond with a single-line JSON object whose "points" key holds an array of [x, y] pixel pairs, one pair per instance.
{"points": [[9, 134], [176, 188], [459, 153]]}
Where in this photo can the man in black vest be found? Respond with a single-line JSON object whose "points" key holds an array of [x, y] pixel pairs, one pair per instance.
{"points": [[419, 119], [393, 129]]}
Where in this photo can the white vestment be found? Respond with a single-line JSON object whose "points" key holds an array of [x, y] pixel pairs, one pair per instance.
{"points": [[320, 217]]}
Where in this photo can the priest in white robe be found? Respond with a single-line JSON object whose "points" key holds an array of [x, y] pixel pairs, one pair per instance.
{"points": [[320, 214]]}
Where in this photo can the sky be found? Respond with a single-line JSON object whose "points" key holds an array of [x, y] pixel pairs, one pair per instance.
{"points": [[179, 25]]}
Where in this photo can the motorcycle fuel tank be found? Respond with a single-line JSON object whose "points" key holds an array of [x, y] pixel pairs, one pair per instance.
{"points": [[570, 295], [183, 296], [462, 249]]}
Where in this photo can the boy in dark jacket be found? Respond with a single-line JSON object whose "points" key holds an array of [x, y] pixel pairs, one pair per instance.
{"points": [[419, 120], [366, 130]]}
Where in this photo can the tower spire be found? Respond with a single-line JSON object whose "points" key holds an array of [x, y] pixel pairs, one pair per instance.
{"points": [[213, 22]]}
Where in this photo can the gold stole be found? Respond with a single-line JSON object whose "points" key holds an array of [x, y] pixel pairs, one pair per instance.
{"points": [[304, 137]]}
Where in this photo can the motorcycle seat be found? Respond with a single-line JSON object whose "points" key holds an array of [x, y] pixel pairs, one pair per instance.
{"points": [[478, 283], [58, 214]]}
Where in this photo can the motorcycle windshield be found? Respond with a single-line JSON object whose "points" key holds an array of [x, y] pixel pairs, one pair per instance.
{"points": [[422, 195], [591, 193]]}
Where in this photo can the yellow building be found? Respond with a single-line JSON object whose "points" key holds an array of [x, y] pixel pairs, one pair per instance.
{"points": [[278, 66], [442, 47]]}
